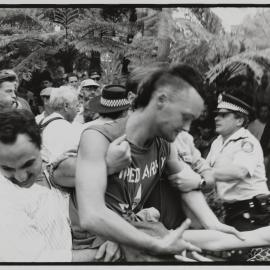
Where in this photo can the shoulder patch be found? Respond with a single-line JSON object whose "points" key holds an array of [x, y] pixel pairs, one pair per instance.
{"points": [[247, 146]]}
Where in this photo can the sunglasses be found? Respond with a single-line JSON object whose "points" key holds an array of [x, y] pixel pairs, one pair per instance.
{"points": [[222, 114], [95, 79]]}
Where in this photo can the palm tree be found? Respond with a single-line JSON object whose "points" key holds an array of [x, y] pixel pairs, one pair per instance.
{"points": [[67, 32]]}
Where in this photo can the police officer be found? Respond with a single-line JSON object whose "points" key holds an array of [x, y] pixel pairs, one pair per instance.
{"points": [[236, 158]]}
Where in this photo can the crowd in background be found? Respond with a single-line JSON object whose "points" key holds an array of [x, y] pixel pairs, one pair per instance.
{"points": [[118, 134]]}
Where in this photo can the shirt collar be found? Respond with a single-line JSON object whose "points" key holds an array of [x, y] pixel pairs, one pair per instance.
{"points": [[240, 133], [54, 114]]}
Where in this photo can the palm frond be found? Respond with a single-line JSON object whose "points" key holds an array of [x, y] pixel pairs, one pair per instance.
{"points": [[253, 60], [24, 18]]}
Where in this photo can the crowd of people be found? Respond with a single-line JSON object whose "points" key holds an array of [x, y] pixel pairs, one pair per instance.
{"points": [[111, 173]]}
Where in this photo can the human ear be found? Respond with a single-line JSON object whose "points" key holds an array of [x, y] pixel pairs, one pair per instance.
{"points": [[66, 106], [240, 122], [162, 98]]}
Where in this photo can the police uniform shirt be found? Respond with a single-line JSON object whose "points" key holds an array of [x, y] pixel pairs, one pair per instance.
{"points": [[244, 150]]}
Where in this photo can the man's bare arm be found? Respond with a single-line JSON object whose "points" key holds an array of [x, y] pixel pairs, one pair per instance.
{"points": [[118, 157], [216, 240], [91, 182], [194, 199]]}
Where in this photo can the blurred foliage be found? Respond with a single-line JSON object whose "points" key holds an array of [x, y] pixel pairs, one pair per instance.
{"points": [[255, 30], [31, 37], [209, 20]]}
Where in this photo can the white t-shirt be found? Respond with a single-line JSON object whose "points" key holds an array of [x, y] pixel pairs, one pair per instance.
{"points": [[34, 224]]}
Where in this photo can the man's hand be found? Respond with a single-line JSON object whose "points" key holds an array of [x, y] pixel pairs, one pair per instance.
{"points": [[195, 257], [118, 155], [186, 180], [173, 243], [218, 226], [108, 252]]}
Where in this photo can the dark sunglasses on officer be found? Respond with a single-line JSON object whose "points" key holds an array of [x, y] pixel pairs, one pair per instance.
{"points": [[222, 114]]}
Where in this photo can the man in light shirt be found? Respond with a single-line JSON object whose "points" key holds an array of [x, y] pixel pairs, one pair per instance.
{"points": [[35, 225], [58, 134]]}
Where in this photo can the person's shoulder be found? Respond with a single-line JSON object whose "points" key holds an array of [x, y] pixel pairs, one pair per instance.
{"points": [[250, 137], [56, 123], [111, 130]]}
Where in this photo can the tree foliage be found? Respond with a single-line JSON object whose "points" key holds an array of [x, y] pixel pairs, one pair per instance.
{"points": [[255, 30], [142, 35], [209, 20]]}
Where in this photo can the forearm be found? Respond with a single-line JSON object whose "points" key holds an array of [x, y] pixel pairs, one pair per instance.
{"points": [[97, 218], [197, 204], [84, 255], [111, 226], [216, 240], [229, 173]]}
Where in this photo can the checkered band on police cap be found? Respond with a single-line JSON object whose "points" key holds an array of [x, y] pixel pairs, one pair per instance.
{"points": [[229, 102], [113, 102], [113, 99]]}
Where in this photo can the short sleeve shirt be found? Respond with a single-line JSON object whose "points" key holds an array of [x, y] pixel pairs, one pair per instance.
{"points": [[244, 150]]}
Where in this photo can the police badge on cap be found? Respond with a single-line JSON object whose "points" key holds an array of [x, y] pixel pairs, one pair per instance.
{"points": [[233, 103]]}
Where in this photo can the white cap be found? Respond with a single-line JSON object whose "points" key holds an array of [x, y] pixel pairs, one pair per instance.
{"points": [[88, 82]]}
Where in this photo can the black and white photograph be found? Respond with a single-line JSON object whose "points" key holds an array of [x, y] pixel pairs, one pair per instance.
{"points": [[134, 133]]}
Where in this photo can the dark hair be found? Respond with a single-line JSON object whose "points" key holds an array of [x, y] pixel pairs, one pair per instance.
{"points": [[8, 79], [246, 118], [72, 75], [139, 73], [177, 75], [113, 115], [14, 122]]}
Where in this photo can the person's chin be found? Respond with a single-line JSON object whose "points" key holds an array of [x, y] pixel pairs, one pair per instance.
{"points": [[25, 184], [218, 129]]}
